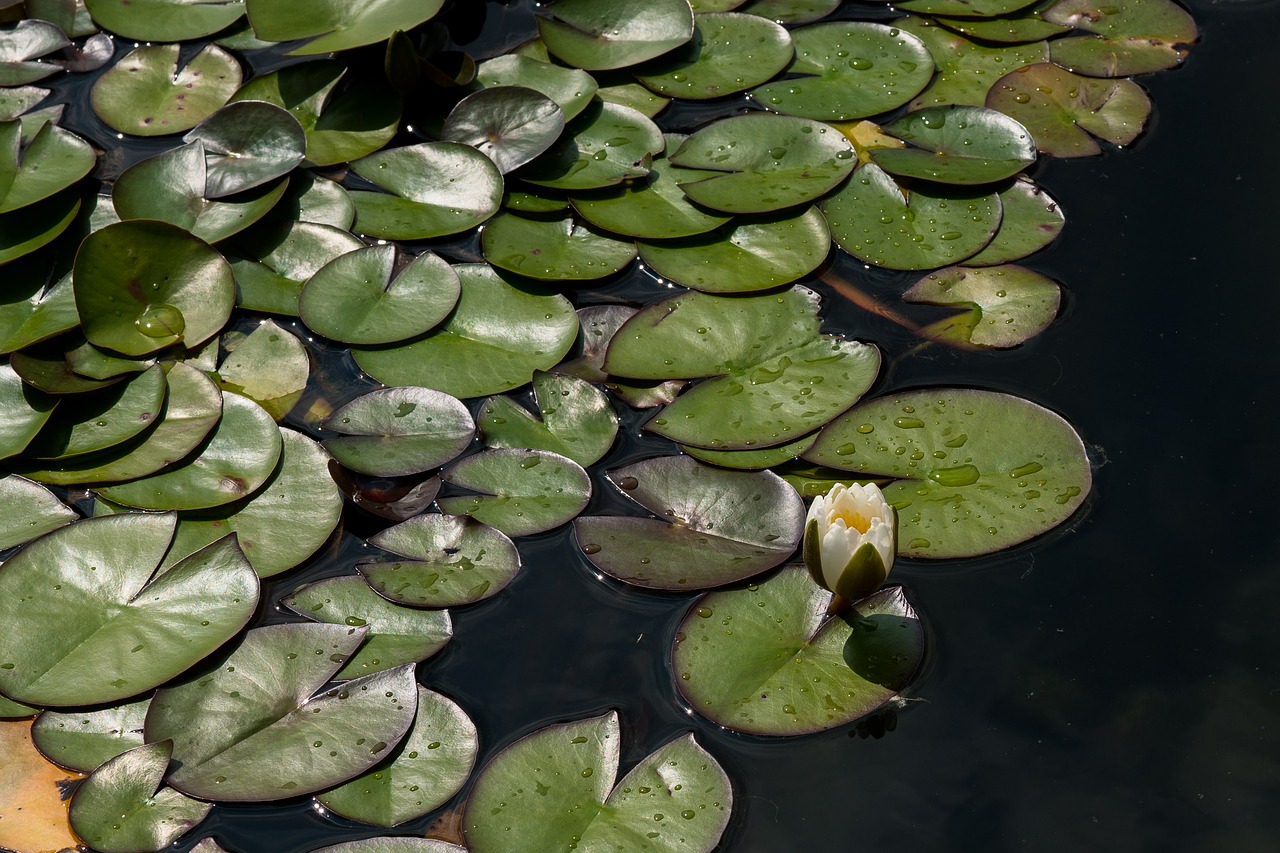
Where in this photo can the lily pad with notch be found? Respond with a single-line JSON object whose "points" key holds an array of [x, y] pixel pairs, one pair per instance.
{"points": [[336, 25], [396, 431], [520, 492], [270, 367], [599, 323], [957, 145], [1030, 220], [83, 739], [966, 69], [273, 262], [145, 94], [713, 527], [553, 250], [247, 144], [29, 510], [108, 418], [510, 125], [729, 52], [165, 20], [605, 144], [602, 34], [1126, 38], [1003, 305], [575, 419], [49, 163], [21, 48], [571, 88]]}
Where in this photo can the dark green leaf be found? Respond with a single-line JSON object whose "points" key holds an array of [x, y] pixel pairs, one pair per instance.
{"points": [[602, 34], [520, 492], [396, 431]]}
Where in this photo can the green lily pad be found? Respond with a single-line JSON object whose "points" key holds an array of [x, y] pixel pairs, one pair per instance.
{"points": [[393, 845], [84, 740], [17, 100], [429, 766], [957, 145], [520, 492], [88, 360], [397, 635], [966, 70], [450, 560], [555, 788], [23, 412], [433, 189], [345, 117], [1030, 220], [1064, 111], [1021, 27], [509, 124], [52, 161], [233, 461], [21, 48], [606, 144], [747, 254], [979, 471], [926, 226], [45, 366], [372, 296], [142, 285], [249, 729], [554, 250], [88, 624], [768, 660], [964, 8], [529, 202], [775, 377], [11, 710], [311, 198], [123, 808], [497, 336], [110, 417], [192, 407], [701, 6], [270, 367], [575, 419], [165, 20], [599, 324], [70, 16], [571, 88], [273, 263], [728, 53], [396, 431], [247, 144], [769, 162], [713, 526], [334, 25], [34, 311], [1004, 305], [752, 460], [603, 34], [29, 510], [791, 11], [1129, 37], [849, 69], [24, 231], [146, 95], [632, 95]]}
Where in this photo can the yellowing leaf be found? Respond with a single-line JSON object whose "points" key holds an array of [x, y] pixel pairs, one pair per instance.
{"points": [[33, 815]]}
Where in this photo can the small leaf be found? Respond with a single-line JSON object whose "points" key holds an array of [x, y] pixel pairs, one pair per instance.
{"points": [[574, 419], [83, 740], [395, 431], [1007, 304], [521, 492]]}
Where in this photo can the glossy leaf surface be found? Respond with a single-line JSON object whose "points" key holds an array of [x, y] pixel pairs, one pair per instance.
{"points": [[450, 560], [145, 93], [394, 431], [520, 492], [574, 419]]}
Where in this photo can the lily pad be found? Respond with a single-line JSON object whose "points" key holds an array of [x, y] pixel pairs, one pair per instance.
{"points": [[926, 226], [747, 254], [633, 95], [963, 8], [575, 419], [713, 526], [246, 729], [334, 25], [396, 431], [1129, 37], [433, 189], [848, 70], [272, 263], [769, 162], [450, 560], [376, 296], [606, 144], [497, 336], [1021, 27], [429, 766], [45, 366], [979, 471], [791, 11], [571, 88], [728, 53], [21, 48], [270, 367], [110, 417], [88, 360], [146, 95], [233, 461], [122, 807], [555, 787], [23, 411], [1064, 111], [29, 510], [1030, 220], [397, 635], [165, 20], [957, 145], [521, 492], [88, 624], [509, 124], [555, 250], [142, 285], [32, 787], [247, 144], [599, 324], [37, 312], [311, 198], [753, 460], [84, 739], [23, 231], [966, 69], [768, 660], [393, 845], [52, 161], [1004, 305], [774, 376], [602, 34]]}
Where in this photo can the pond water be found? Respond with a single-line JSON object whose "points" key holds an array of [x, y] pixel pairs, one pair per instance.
{"points": [[1111, 686]]}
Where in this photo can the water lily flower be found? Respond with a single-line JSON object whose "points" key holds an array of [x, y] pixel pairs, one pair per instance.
{"points": [[850, 539]]}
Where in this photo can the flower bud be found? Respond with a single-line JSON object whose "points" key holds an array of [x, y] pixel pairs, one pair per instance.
{"points": [[850, 539]]}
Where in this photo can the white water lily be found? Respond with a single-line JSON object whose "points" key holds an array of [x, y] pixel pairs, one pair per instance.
{"points": [[850, 539]]}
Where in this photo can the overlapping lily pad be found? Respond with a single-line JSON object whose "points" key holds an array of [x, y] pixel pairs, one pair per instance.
{"points": [[1030, 219], [433, 189], [29, 510], [165, 20], [604, 145], [603, 34], [575, 419], [270, 367], [1129, 37], [957, 145], [1020, 27], [84, 739], [104, 420], [1005, 304], [52, 161], [790, 11], [509, 124], [520, 492], [599, 324], [246, 144], [966, 69], [399, 844], [333, 25], [571, 88], [23, 231], [23, 411], [21, 48], [395, 431], [145, 93], [555, 250], [273, 262], [728, 53], [30, 314]]}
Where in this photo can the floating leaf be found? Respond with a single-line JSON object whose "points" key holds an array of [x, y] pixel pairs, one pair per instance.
{"points": [[1006, 305], [634, 96], [45, 366], [963, 8], [247, 144], [769, 162], [497, 336], [603, 34], [606, 144], [122, 807], [52, 161], [978, 471], [110, 417], [146, 95], [23, 411], [966, 70], [88, 624], [752, 460], [599, 324], [393, 845], [1023, 26], [311, 198], [428, 767], [336, 24], [1030, 220], [33, 816], [575, 419], [791, 11], [248, 729], [20, 49], [509, 124], [957, 145], [783, 666], [555, 788], [557, 250], [84, 739], [396, 431], [713, 527], [274, 262], [522, 492], [728, 53], [1129, 37], [23, 231], [849, 69], [571, 88], [34, 312], [451, 560], [88, 360], [165, 20], [29, 510]]}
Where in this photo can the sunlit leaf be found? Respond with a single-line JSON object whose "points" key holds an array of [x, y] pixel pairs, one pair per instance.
{"points": [[83, 739], [520, 492], [575, 419], [146, 95], [333, 25], [29, 510], [602, 34], [165, 20], [728, 53], [396, 431], [557, 250], [1005, 305]]}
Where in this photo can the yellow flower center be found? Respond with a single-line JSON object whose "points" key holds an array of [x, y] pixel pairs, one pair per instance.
{"points": [[853, 519]]}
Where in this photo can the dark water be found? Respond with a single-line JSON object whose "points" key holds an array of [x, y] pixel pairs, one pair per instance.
{"points": [[1110, 687]]}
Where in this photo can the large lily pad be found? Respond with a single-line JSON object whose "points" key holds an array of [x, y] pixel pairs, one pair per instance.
{"points": [[575, 419], [713, 526], [974, 471], [249, 728], [106, 419], [88, 624], [1030, 220], [555, 250], [849, 69], [571, 88], [957, 145], [768, 660], [145, 93], [555, 788], [269, 366], [966, 69], [1129, 37], [23, 411], [29, 510], [520, 492], [606, 144], [497, 336], [509, 124], [273, 262], [450, 560], [1004, 305], [333, 25], [247, 144], [52, 161], [602, 34], [165, 20], [84, 739], [396, 431], [728, 53]]}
